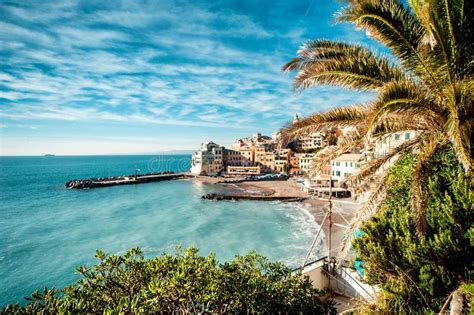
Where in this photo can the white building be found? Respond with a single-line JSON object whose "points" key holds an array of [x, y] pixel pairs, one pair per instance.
{"points": [[305, 162], [345, 165], [386, 145], [314, 141], [208, 160]]}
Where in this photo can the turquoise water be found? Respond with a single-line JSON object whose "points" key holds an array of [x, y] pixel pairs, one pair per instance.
{"points": [[46, 230]]}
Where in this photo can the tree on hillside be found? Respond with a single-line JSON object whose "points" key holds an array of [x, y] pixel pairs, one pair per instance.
{"points": [[181, 283], [417, 274], [426, 86]]}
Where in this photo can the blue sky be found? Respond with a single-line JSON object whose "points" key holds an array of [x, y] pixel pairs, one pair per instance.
{"points": [[118, 77]]}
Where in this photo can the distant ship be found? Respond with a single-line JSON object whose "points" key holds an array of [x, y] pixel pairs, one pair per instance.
{"points": [[49, 155]]}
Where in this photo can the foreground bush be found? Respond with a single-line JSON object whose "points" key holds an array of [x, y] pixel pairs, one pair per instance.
{"points": [[416, 274], [181, 283]]}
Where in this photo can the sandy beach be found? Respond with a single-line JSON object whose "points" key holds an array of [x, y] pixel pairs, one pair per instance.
{"points": [[343, 208]]}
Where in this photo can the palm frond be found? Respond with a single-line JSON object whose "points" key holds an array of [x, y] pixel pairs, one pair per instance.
{"points": [[460, 138], [458, 133], [405, 97], [430, 90], [421, 10], [373, 166], [420, 182], [396, 27], [321, 50], [451, 22], [353, 116], [335, 63], [391, 124], [324, 157]]}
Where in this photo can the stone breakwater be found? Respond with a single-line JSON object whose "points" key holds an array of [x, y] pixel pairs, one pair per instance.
{"points": [[218, 196], [256, 178], [123, 180]]}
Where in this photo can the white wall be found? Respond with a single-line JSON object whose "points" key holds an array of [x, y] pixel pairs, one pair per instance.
{"points": [[345, 168]]}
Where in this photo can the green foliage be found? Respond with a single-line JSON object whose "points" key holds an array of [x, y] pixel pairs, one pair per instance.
{"points": [[468, 291], [418, 273], [181, 283]]}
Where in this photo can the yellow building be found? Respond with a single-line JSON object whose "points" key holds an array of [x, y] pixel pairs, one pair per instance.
{"points": [[282, 160]]}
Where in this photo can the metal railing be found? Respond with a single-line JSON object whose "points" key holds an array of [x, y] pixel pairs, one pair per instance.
{"points": [[343, 270], [309, 264]]}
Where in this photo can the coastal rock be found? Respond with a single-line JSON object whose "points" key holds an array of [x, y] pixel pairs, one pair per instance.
{"points": [[122, 180], [217, 196]]}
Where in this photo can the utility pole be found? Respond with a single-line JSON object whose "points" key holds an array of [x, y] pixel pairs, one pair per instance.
{"points": [[330, 223]]}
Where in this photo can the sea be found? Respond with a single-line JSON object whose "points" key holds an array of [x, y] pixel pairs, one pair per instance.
{"points": [[46, 230]]}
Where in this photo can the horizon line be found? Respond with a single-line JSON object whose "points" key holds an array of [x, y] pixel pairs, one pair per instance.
{"points": [[177, 152]]}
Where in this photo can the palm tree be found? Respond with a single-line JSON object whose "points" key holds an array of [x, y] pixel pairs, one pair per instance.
{"points": [[426, 86]]}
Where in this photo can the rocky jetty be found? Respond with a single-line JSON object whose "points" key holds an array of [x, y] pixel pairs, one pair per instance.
{"points": [[122, 180], [256, 178], [217, 196]]}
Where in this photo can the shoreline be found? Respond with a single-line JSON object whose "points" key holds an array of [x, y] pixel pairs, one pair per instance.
{"points": [[343, 209], [266, 190]]}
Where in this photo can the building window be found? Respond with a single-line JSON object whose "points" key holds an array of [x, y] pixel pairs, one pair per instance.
{"points": [[346, 164], [351, 164], [397, 136], [338, 173], [407, 136]]}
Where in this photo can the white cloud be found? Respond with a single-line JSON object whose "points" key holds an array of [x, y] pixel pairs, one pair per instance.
{"points": [[150, 63], [88, 37], [13, 32]]}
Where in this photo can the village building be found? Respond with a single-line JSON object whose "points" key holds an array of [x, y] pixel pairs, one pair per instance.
{"points": [[208, 160], [267, 161], [246, 153], [262, 151], [295, 163], [305, 162], [282, 160], [387, 144], [346, 165], [314, 141], [233, 158]]}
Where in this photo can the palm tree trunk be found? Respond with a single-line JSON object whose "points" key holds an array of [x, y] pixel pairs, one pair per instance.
{"points": [[456, 304]]}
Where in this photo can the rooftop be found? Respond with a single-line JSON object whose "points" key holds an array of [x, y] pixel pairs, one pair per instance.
{"points": [[350, 157]]}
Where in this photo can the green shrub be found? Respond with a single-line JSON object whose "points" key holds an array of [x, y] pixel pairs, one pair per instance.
{"points": [[416, 274], [181, 283]]}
